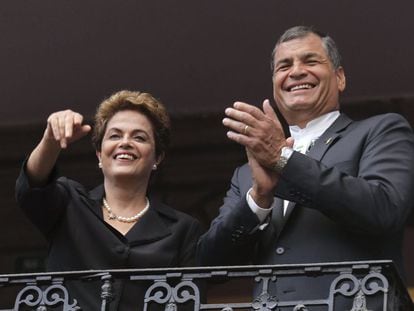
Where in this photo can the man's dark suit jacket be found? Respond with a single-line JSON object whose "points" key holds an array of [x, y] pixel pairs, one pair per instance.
{"points": [[71, 219], [352, 193]]}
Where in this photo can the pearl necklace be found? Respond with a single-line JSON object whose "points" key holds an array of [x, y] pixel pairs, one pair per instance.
{"points": [[134, 218]]}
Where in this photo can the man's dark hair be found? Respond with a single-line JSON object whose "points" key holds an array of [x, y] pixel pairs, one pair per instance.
{"points": [[298, 32]]}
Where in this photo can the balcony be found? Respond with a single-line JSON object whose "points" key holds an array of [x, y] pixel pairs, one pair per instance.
{"points": [[359, 284]]}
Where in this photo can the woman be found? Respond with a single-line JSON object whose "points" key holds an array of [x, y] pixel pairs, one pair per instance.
{"points": [[115, 225]]}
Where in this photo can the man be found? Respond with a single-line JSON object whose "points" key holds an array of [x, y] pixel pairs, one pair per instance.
{"points": [[336, 190]]}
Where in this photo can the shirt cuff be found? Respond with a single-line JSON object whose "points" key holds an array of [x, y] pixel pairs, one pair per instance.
{"points": [[261, 213]]}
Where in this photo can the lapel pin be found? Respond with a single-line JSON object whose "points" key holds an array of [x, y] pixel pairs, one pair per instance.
{"points": [[328, 141]]}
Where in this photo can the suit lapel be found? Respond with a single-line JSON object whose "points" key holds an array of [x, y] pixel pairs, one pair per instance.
{"points": [[277, 215], [151, 227], [329, 137], [321, 146], [93, 200]]}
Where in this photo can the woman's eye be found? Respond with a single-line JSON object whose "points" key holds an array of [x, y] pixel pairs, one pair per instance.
{"points": [[139, 138], [113, 136]]}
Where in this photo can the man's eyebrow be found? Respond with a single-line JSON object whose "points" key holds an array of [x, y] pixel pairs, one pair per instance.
{"points": [[311, 54], [305, 55]]}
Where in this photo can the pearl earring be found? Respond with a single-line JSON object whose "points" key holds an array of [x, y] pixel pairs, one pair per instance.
{"points": [[100, 164], [154, 167]]}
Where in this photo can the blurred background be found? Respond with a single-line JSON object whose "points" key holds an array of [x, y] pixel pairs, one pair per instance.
{"points": [[198, 57]]}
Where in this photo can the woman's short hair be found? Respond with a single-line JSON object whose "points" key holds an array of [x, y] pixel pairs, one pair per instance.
{"points": [[141, 102]]}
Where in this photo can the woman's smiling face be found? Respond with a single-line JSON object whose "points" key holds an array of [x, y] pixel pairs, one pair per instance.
{"points": [[128, 146]]}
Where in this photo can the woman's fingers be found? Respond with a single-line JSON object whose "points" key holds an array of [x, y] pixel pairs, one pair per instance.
{"points": [[66, 127]]}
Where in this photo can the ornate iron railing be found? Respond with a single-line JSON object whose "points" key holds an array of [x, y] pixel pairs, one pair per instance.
{"points": [[171, 289]]}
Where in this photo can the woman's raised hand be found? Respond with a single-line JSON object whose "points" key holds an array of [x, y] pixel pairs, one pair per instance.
{"points": [[66, 127]]}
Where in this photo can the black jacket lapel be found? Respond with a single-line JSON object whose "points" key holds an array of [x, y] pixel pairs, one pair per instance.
{"points": [[329, 137], [321, 146]]}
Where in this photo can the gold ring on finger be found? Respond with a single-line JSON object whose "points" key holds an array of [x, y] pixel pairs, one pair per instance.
{"points": [[245, 129]]}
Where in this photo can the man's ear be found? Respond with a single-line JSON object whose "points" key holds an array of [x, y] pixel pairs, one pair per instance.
{"points": [[340, 78]]}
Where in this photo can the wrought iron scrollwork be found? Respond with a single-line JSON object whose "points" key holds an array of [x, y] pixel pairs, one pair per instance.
{"points": [[159, 292], [353, 286], [54, 295], [349, 285], [162, 293]]}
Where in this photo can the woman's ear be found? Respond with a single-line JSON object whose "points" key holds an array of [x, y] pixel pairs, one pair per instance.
{"points": [[98, 155], [160, 158]]}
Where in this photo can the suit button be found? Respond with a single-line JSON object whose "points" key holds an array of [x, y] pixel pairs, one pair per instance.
{"points": [[280, 250]]}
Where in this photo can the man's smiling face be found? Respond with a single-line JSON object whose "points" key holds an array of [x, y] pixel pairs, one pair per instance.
{"points": [[305, 83]]}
